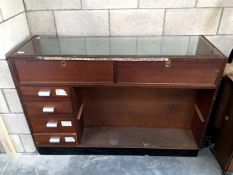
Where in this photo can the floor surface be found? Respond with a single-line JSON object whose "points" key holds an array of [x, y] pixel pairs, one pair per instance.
{"points": [[22, 164]]}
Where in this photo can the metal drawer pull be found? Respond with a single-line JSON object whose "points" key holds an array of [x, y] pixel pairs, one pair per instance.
{"points": [[60, 92], [69, 139], [51, 124], [66, 123], [54, 139], [44, 93], [48, 109]]}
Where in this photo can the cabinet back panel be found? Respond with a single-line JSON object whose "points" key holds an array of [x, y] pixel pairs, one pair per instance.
{"points": [[138, 107]]}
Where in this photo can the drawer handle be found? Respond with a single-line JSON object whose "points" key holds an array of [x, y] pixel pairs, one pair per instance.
{"points": [[167, 64], [48, 109], [69, 139], [54, 139], [51, 124], [44, 93], [66, 123], [60, 92]]}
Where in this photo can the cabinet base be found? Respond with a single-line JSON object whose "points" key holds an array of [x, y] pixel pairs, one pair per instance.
{"points": [[115, 151]]}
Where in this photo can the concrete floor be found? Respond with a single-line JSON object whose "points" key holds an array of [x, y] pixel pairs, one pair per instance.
{"points": [[204, 164]]}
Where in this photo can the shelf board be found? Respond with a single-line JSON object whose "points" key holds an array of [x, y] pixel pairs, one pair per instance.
{"points": [[126, 137]]}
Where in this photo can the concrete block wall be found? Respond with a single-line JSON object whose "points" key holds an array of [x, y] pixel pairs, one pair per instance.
{"points": [[13, 30], [21, 18], [213, 18]]}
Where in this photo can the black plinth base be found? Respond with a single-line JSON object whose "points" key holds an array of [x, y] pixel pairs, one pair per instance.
{"points": [[115, 151]]}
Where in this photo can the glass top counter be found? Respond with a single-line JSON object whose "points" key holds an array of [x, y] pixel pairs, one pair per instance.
{"points": [[157, 46]]}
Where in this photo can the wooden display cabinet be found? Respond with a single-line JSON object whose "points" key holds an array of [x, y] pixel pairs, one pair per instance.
{"points": [[150, 99]]}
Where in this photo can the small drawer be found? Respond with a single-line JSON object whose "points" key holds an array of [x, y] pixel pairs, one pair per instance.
{"points": [[34, 93], [56, 140], [48, 108], [55, 125]]}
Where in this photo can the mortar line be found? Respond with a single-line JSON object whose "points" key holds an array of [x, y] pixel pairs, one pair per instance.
{"points": [[12, 17], [164, 20], [109, 25], [196, 3], [154, 8], [81, 4], [220, 20], [55, 24], [22, 143], [25, 10], [4, 97]]}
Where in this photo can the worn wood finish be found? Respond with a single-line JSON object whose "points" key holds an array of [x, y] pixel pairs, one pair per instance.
{"points": [[149, 138], [204, 103], [180, 72], [40, 125], [138, 107], [69, 71], [43, 139], [133, 104], [31, 93]]}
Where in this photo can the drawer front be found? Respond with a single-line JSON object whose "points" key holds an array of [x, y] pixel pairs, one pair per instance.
{"points": [[55, 125], [56, 140], [38, 71], [44, 93], [48, 108], [179, 72]]}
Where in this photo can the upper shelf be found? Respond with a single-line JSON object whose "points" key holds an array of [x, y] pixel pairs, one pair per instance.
{"points": [[156, 46]]}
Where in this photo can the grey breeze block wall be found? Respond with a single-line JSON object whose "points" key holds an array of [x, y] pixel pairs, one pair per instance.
{"points": [[13, 30], [212, 18]]}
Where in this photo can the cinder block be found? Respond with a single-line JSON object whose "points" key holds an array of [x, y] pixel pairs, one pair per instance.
{"points": [[10, 8], [13, 100], [52, 4], [17, 143], [136, 22], [5, 76], [214, 3], [166, 3], [192, 21], [226, 25], [12, 32], [82, 23], [41, 23], [109, 4], [28, 143], [15, 123], [3, 105]]}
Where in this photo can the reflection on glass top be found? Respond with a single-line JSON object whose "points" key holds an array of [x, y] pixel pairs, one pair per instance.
{"points": [[120, 46]]}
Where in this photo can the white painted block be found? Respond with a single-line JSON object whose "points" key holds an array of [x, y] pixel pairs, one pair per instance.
{"points": [[52, 4], [136, 22], [192, 21], [82, 23], [41, 23], [226, 25]]}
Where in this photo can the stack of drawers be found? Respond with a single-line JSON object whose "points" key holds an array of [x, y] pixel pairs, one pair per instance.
{"points": [[50, 115]]}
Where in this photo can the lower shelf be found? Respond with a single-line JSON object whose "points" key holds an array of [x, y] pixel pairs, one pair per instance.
{"points": [[150, 138]]}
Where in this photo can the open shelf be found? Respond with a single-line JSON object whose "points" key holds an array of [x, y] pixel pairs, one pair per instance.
{"points": [[126, 137]]}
